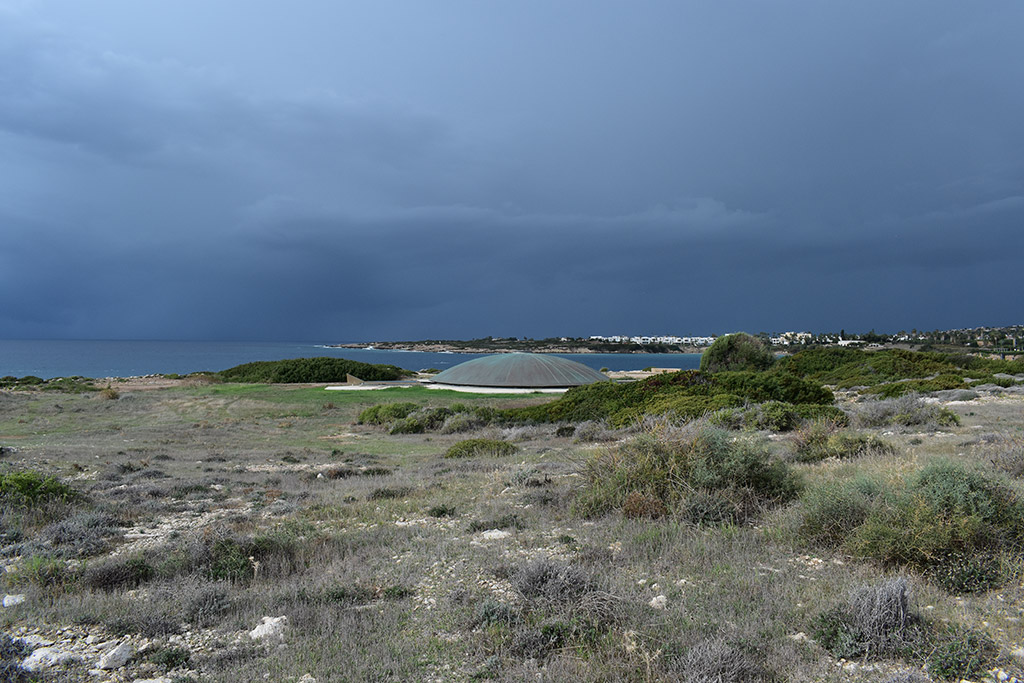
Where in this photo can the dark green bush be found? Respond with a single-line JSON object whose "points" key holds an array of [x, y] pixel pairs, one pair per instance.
{"points": [[310, 370], [477, 448], [738, 351]]}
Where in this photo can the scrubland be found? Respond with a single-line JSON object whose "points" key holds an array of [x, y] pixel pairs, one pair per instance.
{"points": [[485, 537]]}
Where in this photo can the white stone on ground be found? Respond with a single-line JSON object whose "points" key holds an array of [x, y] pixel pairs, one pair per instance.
{"points": [[46, 657], [272, 627], [495, 535], [12, 600], [118, 657]]}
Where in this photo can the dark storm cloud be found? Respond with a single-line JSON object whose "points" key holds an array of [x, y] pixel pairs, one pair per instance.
{"points": [[337, 173]]}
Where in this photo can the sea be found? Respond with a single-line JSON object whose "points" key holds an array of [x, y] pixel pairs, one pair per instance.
{"points": [[108, 358]]}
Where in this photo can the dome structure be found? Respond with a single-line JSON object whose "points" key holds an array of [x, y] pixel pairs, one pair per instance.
{"points": [[519, 370]]}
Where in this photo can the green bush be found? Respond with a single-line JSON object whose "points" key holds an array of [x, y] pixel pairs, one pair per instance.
{"points": [[386, 413], [310, 370], [776, 416], [28, 488], [683, 395], [960, 653], [939, 517], [669, 464], [824, 439], [942, 382], [738, 351], [420, 421], [476, 448], [832, 511]]}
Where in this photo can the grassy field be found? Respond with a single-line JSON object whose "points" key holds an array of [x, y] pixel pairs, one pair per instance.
{"points": [[177, 518]]}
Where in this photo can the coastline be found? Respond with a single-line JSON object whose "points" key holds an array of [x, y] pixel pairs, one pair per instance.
{"points": [[523, 347]]}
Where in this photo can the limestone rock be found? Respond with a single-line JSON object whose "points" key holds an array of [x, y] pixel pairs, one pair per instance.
{"points": [[12, 600], [45, 657], [118, 657], [495, 535], [272, 627]]}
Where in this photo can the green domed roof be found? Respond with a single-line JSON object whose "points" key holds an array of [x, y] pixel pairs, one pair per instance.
{"points": [[527, 370]]}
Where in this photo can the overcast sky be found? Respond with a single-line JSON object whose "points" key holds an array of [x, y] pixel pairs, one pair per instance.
{"points": [[331, 171]]}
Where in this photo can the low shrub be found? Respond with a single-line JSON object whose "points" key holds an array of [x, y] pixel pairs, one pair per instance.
{"points": [[639, 505], [908, 411], [732, 505], [490, 612], [28, 488], [777, 416], [952, 523], [591, 431], [80, 535], [386, 413], [833, 511], [716, 659], [390, 492], [1007, 455], [459, 423], [507, 521], [546, 581], [420, 421], [670, 463], [50, 574], [943, 382], [824, 439], [477, 448], [117, 573], [202, 604], [874, 621], [441, 511], [170, 657], [12, 653], [959, 653]]}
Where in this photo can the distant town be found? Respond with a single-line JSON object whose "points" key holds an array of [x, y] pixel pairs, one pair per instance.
{"points": [[991, 340]]}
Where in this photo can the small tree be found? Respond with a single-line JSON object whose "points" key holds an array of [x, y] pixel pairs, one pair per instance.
{"points": [[738, 351]]}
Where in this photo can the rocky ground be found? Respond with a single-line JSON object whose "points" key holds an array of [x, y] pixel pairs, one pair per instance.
{"points": [[274, 539]]}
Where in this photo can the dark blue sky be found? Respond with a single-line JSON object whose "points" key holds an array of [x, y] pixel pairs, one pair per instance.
{"points": [[331, 171]]}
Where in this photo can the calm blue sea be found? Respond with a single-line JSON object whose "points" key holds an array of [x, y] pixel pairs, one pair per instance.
{"points": [[64, 358]]}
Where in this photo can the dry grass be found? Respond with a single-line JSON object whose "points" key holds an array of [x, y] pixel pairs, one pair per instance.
{"points": [[392, 562]]}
